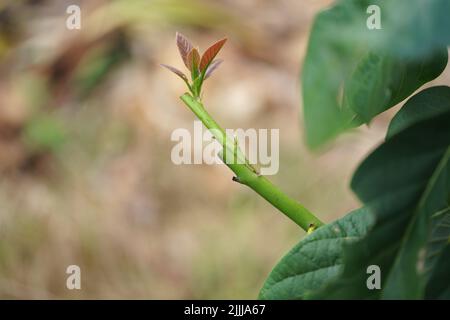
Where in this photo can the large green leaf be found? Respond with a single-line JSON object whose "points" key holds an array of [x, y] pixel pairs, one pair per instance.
{"points": [[419, 108], [351, 73], [316, 259], [438, 286], [381, 81], [406, 183], [413, 27], [437, 260]]}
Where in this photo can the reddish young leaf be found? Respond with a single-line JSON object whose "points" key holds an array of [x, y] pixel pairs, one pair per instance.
{"points": [[184, 47], [193, 59], [213, 66], [210, 54], [176, 71]]}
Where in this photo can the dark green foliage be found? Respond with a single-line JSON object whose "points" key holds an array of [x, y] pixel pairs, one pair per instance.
{"points": [[350, 75]]}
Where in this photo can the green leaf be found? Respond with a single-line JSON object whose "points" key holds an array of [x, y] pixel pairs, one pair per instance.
{"points": [[379, 82], [418, 108], [414, 27], [315, 259], [438, 257], [439, 284], [406, 183], [439, 238], [351, 73]]}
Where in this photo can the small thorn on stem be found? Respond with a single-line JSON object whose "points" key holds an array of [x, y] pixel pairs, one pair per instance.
{"points": [[236, 179]]}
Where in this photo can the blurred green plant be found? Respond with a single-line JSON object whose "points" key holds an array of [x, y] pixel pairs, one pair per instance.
{"points": [[351, 74], [368, 71], [45, 133]]}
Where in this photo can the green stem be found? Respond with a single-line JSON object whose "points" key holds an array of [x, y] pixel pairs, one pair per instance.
{"points": [[246, 175]]}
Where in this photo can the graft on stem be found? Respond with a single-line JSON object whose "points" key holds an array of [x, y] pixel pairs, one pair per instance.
{"points": [[247, 175]]}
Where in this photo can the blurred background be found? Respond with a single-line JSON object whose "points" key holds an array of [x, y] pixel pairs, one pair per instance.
{"points": [[85, 172]]}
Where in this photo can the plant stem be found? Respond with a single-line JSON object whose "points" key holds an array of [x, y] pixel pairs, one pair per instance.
{"points": [[246, 175]]}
